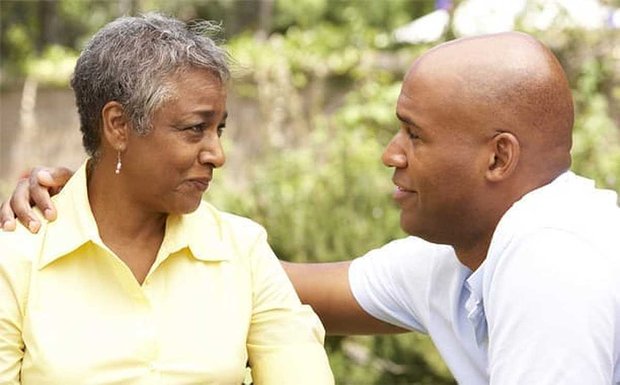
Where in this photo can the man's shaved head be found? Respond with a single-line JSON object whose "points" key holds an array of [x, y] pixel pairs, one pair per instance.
{"points": [[507, 82]]}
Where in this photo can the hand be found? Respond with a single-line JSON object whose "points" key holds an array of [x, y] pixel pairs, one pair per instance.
{"points": [[34, 189]]}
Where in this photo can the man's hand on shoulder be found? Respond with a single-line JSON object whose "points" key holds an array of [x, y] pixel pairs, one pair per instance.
{"points": [[35, 188]]}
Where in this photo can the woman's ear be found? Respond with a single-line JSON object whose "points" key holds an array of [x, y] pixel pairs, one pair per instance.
{"points": [[503, 156], [116, 125]]}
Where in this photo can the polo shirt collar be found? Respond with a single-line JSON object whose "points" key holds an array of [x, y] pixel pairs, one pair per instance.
{"points": [[474, 304], [74, 225], [201, 231]]}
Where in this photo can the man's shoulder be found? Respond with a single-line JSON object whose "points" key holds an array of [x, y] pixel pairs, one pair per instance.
{"points": [[570, 205], [562, 235], [553, 263]]}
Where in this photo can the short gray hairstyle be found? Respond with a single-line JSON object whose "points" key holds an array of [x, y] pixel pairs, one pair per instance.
{"points": [[131, 59]]}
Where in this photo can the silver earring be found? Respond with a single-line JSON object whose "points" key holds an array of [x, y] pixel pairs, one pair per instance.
{"points": [[118, 163]]}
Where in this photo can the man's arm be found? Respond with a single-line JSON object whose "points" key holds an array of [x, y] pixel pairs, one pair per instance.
{"points": [[325, 287], [35, 188]]}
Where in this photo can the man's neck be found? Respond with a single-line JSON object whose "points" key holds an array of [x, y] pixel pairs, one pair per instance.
{"points": [[473, 256]]}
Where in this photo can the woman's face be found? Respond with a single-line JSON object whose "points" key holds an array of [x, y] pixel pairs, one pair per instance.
{"points": [[171, 167]]}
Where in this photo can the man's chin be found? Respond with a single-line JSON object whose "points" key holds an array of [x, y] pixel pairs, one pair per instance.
{"points": [[409, 226], [415, 228]]}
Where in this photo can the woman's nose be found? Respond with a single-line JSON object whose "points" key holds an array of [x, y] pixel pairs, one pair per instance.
{"points": [[212, 153]]}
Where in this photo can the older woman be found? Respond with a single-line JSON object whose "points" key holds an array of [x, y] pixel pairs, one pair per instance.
{"points": [[139, 281]]}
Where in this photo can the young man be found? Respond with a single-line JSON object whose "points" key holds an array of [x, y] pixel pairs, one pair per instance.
{"points": [[514, 261]]}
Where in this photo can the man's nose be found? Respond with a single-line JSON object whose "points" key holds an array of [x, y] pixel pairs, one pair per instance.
{"points": [[394, 155]]}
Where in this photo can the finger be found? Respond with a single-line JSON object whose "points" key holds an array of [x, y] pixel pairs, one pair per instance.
{"points": [[38, 187], [55, 177], [45, 182], [25, 174], [20, 204], [7, 217]]}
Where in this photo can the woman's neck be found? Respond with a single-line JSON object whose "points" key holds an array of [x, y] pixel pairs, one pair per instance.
{"points": [[131, 231]]}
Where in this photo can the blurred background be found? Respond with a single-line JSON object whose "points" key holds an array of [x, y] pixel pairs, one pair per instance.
{"points": [[311, 106]]}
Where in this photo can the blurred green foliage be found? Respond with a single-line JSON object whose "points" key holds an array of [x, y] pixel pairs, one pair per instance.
{"points": [[325, 76], [596, 148]]}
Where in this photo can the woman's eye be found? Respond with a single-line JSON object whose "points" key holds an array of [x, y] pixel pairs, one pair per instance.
{"points": [[201, 128], [198, 128]]}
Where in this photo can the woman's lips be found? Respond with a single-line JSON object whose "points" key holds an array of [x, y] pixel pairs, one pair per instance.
{"points": [[201, 184]]}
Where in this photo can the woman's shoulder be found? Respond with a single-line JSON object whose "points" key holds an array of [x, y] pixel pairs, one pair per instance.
{"points": [[228, 221], [233, 234], [20, 251], [21, 245]]}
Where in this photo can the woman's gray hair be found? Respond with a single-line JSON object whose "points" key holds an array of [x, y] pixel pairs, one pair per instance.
{"points": [[131, 59]]}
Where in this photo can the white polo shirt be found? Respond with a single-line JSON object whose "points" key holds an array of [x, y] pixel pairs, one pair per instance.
{"points": [[543, 308]]}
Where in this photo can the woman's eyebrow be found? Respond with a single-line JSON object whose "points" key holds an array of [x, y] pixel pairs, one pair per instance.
{"points": [[210, 114], [206, 114]]}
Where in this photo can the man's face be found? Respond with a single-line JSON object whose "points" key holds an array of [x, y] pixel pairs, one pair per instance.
{"points": [[437, 156]]}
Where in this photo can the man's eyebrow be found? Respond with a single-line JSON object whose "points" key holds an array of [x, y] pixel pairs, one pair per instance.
{"points": [[407, 121]]}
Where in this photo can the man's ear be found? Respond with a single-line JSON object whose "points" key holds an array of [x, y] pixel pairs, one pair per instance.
{"points": [[505, 150], [116, 125]]}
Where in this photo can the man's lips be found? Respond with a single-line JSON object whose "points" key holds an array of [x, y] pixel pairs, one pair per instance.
{"points": [[401, 193]]}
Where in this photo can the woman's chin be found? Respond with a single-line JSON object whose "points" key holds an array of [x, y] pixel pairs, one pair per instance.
{"points": [[185, 207]]}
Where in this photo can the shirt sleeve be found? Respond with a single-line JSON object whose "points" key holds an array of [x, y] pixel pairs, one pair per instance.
{"points": [[551, 313], [285, 341], [392, 283], [13, 286]]}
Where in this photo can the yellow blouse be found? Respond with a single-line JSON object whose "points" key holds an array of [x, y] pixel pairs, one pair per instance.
{"points": [[71, 312]]}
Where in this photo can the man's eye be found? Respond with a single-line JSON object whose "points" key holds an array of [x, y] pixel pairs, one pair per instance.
{"points": [[412, 135], [220, 129]]}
